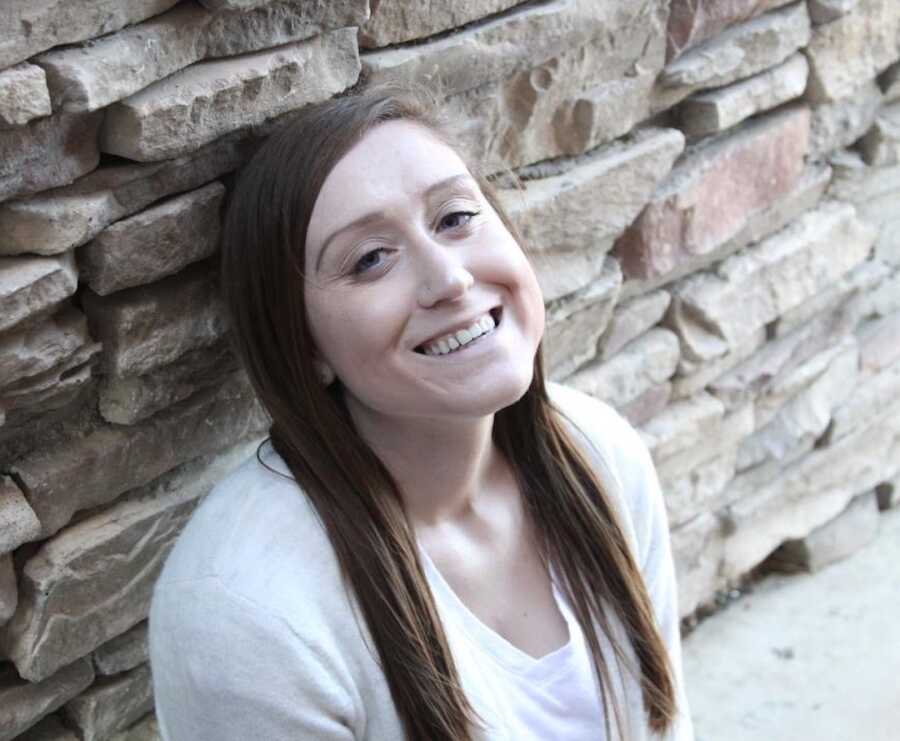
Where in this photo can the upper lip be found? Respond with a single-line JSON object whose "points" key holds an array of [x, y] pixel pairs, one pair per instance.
{"points": [[462, 324]]}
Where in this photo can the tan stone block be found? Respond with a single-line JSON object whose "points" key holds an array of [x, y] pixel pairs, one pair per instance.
{"points": [[65, 610], [632, 318], [147, 327], [712, 193], [739, 52], [209, 99], [110, 68], [124, 652], [61, 478], [564, 213], [692, 377], [808, 493], [395, 21], [23, 95], [48, 152], [30, 26], [643, 363], [696, 492], [154, 243], [868, 399], [713, 312], [575, 323], [843, 535], [18, 523], [23, 704], [31, 287], [789, 418], [62, 218], [646, 406], [492, 50], [130, 399], [39, 347], [112, 705], [570, 103], [693, 21], [852, 49], [716, 110], [682, 425], [840, 123]]}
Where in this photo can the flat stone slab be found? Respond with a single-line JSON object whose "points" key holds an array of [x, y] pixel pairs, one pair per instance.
{"points": [[124, 652], [110, 68], [31, 287], [147, 327], [65, 611], [18, 523], [737, 53], [763, 667], [112, 706], [642, 364], [566, 104], [23, 95], [62, 218], [62, 478], [395, 21], [212, 98], [716, 110], [23, 704], [48, 152], [693, 21], [853, 49], [154, 243], [713, 312], [30, 26]]}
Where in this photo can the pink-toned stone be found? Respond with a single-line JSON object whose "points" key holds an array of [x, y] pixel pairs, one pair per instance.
{"points": [[714, 191], [693, 21]]}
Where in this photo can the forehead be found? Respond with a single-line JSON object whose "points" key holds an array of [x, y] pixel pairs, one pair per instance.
{"points": [[393, 163]]}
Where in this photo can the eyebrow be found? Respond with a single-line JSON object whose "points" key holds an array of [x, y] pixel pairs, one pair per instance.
{"points": [[376, 216]]}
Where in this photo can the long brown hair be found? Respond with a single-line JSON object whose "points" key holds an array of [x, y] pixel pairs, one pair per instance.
{"points": [[355, 496]]}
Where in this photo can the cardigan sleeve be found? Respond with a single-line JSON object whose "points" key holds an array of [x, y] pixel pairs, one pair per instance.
{"points": [[642, 489], [226, 669]]}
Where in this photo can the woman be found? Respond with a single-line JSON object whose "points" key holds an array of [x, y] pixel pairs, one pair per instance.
{"points": [[434, 543]]}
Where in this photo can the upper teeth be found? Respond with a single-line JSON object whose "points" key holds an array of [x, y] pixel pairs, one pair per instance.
{"points": [[454, 340]]}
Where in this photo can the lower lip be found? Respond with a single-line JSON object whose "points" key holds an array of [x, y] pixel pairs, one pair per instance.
{"points": [[476, 347]]}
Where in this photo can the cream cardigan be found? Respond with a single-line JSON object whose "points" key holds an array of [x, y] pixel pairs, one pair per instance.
{"points": [[252, 635]]}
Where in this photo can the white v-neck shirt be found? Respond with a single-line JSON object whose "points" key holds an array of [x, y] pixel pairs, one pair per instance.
{"points": [[555, 696], [254, 636]]}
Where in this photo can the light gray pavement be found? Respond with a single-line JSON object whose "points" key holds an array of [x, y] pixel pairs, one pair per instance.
{"points": [[805, 656]]}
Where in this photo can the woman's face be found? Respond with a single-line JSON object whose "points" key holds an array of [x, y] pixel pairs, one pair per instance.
{"points": [[402, 248]]}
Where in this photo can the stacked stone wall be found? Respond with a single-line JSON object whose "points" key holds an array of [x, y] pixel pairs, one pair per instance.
{"points": [[709, 192]]}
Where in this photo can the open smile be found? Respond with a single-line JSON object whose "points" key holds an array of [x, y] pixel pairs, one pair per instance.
{"points": [[478, 342]]}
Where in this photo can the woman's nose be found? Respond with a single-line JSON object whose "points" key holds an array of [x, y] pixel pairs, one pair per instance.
{"points": [[443, 276]]}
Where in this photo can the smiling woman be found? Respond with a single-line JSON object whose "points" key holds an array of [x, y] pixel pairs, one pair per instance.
{"points": [[435, 545]]}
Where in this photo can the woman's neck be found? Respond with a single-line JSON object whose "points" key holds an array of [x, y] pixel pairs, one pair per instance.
{"points": [[442, 466]]}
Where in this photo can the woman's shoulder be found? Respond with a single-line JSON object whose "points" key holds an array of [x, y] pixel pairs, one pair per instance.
{"points": [[619, 451], [257, 536]]}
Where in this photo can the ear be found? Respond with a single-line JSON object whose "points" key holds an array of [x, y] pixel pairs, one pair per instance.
{"points": [[323, 371]]}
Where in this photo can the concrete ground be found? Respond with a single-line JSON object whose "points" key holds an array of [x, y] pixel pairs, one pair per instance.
{"points": [[805, 656]]}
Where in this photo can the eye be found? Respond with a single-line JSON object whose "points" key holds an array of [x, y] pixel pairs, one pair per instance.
{"points": [[451, 216], [364, 264]]}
